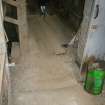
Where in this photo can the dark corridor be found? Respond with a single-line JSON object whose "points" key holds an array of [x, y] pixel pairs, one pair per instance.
{"points": [[70, 10]]}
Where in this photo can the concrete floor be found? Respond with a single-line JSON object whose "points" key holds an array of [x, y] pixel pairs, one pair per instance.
{"points": [[41, 77]]}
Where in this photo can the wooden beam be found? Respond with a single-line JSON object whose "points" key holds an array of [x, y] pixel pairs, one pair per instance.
{"points": [[11, 20], [11, 2]]}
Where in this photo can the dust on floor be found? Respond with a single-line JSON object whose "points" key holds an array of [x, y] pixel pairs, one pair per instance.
{"points": [[41, 77]]}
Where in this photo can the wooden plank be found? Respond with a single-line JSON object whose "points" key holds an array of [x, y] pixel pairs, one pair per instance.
{"points": [[11, 2], [11, 20]]}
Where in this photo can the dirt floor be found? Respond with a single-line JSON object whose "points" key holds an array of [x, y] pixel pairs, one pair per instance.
{"points": [[41, 77]]}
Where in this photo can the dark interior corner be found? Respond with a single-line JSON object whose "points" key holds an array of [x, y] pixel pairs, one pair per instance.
{"points": [[69, 10]]}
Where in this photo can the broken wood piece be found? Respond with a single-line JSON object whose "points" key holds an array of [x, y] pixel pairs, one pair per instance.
{"points": [[60, 51]]}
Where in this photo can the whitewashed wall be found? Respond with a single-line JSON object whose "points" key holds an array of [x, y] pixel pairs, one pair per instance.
{"points": [[95, 45]]}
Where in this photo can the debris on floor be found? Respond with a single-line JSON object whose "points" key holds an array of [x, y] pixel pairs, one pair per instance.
{"points": [[60, 51], [43, 78]]}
